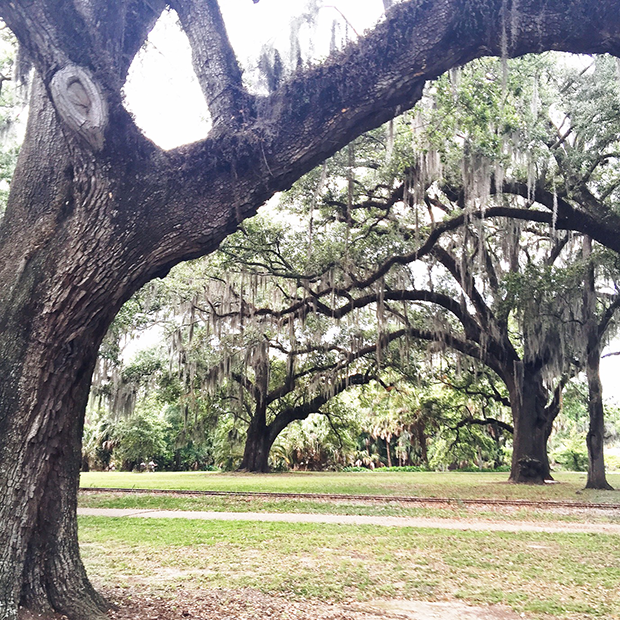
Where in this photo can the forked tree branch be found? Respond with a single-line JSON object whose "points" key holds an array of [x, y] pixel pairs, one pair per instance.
{"points": [[464, 278], [301, 412], [215, 62], [608, 315]]}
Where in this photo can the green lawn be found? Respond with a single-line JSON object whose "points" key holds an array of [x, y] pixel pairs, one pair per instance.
{"points": [[455, 510], [453, 484], [545, 576], [570, 576]]}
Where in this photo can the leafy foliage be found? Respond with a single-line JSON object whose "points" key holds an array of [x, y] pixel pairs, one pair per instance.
{"points": [[395, 261]]}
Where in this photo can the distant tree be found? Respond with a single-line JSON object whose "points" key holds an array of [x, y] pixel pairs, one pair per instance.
{"points": [[267, 366], [560, 170], [139, 439], [596, 324]]}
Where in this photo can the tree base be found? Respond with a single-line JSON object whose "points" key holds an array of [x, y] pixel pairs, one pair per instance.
{"points": [[25, 614], [599, 486], [250, 470], [79, 611], [528, 470]]}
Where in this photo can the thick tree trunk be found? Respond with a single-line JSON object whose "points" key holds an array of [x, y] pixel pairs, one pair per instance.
{"points": [[258, 441], [61, 290], [256, 452], [532, 427], [48, 347], [257, 446], [596, 431], [54, 578], [40, 452]]}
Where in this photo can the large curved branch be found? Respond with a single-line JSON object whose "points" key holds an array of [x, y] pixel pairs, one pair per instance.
{"points": [[564, 222], [320, 110], [485, 422], [301, 412], [608, 315], [181, 204], [313, 303], [600, 223]]}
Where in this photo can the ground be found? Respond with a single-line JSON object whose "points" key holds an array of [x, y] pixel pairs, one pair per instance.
{"points": [[452, 560], [139, 601], [252, 605], [464, 524]]}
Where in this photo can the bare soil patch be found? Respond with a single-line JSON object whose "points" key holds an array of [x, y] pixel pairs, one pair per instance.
{"points": [[250, 604]]}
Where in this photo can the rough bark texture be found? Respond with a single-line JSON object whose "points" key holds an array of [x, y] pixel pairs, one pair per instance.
{"points": [[533, 422], [595, 438], [93, 217]]}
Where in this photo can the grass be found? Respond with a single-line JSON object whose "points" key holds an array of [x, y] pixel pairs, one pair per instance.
{"points": [[427, 484], [545, 576], [393, 509]]}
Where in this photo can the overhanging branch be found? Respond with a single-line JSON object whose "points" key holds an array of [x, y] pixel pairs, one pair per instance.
{"points": [[301, 412], [319, 110], [485, 422]]}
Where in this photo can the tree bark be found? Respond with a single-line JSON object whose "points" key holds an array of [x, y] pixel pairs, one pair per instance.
{"points": [[595, 439], [40, 565], [533, 422], [257, 447], [49, 337], [258, 442]]}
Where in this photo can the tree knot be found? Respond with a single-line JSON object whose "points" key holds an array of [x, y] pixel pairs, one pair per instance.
{"points": [[80, 103]]}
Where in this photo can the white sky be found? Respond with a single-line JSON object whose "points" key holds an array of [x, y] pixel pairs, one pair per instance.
{"points": [[162, 91], [610, 374]]}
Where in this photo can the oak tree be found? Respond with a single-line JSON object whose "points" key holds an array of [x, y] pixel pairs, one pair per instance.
{"points": [[96, 209]]}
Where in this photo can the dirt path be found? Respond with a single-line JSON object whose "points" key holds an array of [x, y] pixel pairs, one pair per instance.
{"points": [[418, 522]]}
